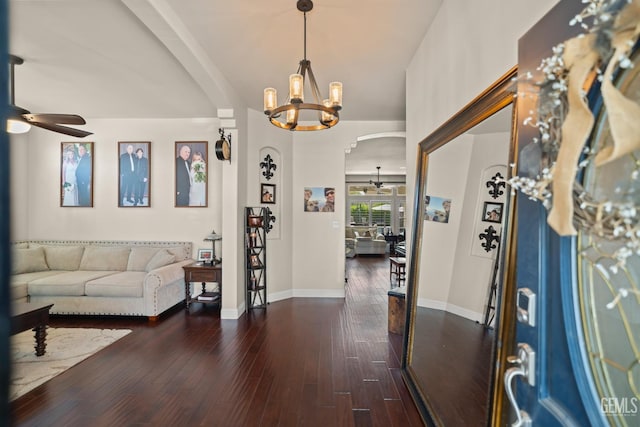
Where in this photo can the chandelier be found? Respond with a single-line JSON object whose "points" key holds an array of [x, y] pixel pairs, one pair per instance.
{"points": [[287, 116]]}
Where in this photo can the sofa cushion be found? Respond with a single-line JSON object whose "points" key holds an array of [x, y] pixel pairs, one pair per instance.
{"points": [[105, 258], [19, 282], [139, 258], [63, 257], [65, 284], [28, 261], [160, 259], [123, 284]]}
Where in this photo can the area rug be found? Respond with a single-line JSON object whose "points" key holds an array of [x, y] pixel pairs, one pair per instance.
{"points": [[65, 348]]}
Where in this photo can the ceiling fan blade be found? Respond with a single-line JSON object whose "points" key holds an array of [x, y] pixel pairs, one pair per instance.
{"points": [[62, 129], [67, 119]]}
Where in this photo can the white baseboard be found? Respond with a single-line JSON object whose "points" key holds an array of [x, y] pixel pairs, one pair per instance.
{"points": [[451, 308]]}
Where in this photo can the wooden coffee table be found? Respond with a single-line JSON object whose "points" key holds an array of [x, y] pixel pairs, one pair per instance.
{"points": [[31, 316]]}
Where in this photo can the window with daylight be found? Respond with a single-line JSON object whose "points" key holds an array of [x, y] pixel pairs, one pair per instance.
{"points": [[383, 207]]}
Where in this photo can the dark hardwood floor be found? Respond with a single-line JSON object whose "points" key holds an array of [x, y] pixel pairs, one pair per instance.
{"points": [[303, 361]]}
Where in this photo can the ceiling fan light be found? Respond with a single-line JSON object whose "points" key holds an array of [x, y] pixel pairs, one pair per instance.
{"points": [[296, 85], [17, 126], [270, 99], [335, 94]]}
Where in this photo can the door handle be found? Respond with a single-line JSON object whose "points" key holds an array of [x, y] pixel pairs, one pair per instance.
{"points": [[524, 366]]}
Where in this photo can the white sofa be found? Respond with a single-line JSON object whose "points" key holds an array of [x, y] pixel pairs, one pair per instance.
{"points": [[100, 277], [364, 240]]}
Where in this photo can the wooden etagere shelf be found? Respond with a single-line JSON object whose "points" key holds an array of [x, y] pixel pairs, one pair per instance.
{"points": [[256, 223]]}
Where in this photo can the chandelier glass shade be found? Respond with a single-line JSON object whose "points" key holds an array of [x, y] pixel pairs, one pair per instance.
{"points": [[317, 115]]}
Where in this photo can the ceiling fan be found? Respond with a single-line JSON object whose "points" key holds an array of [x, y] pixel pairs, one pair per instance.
{"points": [[377, 183], [53, 122]]}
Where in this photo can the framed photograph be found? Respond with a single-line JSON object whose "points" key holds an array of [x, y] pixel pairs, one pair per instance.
{"points": [[492, 212], [267, 193], [76, 174], [319, 199], [205, 255], [437, 209], [191, 174], [134, 172]]}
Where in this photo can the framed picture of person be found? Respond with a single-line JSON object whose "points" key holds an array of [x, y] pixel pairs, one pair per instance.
{"points": [[437, 209], [268, 193], [134, 174], [191, 173], [76, 174], [319, 199], [492, 212]]}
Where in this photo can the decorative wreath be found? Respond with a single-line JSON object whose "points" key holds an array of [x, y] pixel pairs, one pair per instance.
{"points": [[565, 123]]}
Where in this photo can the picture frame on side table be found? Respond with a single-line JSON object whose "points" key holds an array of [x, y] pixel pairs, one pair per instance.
{"points": [[268, 193], [134, 174], [191, 174], [205, 256], [76, 174]]}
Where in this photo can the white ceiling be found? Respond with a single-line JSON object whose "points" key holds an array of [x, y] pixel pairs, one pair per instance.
{"points": [[187, 58]]}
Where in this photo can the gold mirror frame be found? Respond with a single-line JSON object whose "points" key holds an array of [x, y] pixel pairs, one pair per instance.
{"points": [[498, 96]]}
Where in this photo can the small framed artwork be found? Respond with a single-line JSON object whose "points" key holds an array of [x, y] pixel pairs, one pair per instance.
{"points": [[492, 212], [134, 174], [76, 174], [319, 199], [205, 255], [191, 186], [267, 193]]}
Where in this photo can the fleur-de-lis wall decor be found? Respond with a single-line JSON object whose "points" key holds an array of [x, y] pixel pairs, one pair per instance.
{"points": [[268, 166], [490, 237], [495, 183], [270, 218]]}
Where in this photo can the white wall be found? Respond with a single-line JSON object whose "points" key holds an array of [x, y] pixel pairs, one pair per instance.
{"points": [[263, 134], [36, 211], [468, 46], [446, 178], [318, 237], [470, 281]]}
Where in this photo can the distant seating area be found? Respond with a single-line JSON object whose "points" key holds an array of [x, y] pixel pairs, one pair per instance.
{"points": [[364, 240]]}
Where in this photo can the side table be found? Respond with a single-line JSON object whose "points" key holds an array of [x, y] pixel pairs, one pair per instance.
{"points": [[198, 272]]}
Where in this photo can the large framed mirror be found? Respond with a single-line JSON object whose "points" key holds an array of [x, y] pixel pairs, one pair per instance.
{"points": [[460, 262]]}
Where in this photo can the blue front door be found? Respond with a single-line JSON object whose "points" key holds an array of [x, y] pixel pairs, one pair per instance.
{"points": [[551, 374]]}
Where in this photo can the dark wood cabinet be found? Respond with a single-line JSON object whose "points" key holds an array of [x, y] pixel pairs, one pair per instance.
{"points": [[203, 273]]}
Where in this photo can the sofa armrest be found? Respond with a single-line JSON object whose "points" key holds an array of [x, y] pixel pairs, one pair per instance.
{"points": [[164, 275]]}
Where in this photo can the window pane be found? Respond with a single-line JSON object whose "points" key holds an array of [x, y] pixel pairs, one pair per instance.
{"points": [[359, 214], [381, 212]]}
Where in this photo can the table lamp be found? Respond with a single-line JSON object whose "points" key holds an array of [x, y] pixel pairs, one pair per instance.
{"points": [[212, 237]]}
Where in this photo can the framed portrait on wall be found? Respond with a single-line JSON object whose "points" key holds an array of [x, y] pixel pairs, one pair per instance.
{"points": [[134, 172], [268, 193], [191, 183], [76, 174], [319, 199], [492, 212]]}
